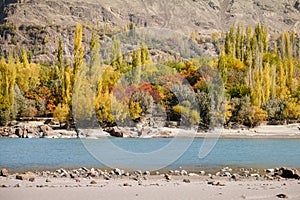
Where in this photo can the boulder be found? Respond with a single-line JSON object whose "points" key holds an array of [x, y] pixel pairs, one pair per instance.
{"points": [[27, 176], [114, 131], [288, 173], [4, 172], [45, 130], [19, 132]]}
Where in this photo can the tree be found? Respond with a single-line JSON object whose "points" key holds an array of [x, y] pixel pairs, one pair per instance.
{"points": [[78, 52], [61, 113], [117, 57], [141, 101], [95, 61], [136, 66]]}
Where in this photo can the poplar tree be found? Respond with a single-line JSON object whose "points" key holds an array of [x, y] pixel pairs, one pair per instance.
{"points": [[78, 51]]}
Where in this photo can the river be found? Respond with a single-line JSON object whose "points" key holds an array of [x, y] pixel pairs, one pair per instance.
{"points": [[18, 154]]}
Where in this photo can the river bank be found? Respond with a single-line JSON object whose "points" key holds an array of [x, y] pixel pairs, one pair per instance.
{"points": [[83, 183], [38, 129]]}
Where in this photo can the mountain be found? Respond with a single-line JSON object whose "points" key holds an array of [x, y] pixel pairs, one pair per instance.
{"points": [[37, 24]]}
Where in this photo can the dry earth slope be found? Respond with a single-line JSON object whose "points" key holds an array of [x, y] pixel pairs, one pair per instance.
{"points": [[37, 24]]}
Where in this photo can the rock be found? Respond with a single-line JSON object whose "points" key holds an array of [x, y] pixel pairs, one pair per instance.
{"points": [[282, 196], [140, 182], [157, 173], [227, 174], [4, 172], [235, 177], [114, 131], [269, 177], [93, 182], [31, 179], [84, 169], [183, 173], [117, 171], [202, 173], [92, 174], [176, 173], [297, 6], [72, 175], [270, 170], [3, 186], [126, 185], [215, 183], [46, 130], [48, 181], [255, 175], [168, 177], [13, 136], [288, 173], [106, 177], [186, 180], [147, 173], [138, 173], [19, 132], [192, 174], [17, 185], [27, 176]]}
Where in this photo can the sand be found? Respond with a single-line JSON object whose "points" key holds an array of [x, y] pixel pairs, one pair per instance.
{"points": [[155, 187]]}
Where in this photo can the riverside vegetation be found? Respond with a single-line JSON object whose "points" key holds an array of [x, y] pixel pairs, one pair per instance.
{"points": [[260, 72]]}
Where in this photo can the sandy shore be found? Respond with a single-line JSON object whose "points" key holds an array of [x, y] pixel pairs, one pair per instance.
{"points": [[265, 131], [38, 130], [189, 186]]}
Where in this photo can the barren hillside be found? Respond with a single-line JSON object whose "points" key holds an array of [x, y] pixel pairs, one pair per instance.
{"points": [[37, 24]]}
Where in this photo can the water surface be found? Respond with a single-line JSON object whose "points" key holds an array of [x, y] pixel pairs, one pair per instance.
{"points": [[70, 153]]}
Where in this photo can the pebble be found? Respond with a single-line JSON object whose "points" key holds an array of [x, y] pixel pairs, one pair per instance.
{"points": [[192, 174], [4, 172], [127, 185], [93, 182], [186, 180], [215, 183], [3, 186], [168, 177], [138, 172], [147, 173], [227, 174], [270, 170], [106, 177], [176, 172], [282, 196], [255, 175]]}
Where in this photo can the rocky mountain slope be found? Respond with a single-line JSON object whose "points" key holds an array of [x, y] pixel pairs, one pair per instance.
{"points": [[37, 24]]}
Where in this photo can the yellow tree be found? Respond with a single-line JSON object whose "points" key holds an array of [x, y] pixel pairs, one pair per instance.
{"points": [[78, 51]]}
